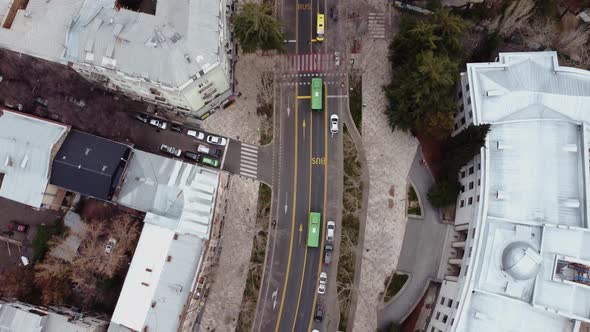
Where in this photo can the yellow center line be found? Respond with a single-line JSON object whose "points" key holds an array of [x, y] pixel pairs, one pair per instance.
{"points": [[308, 213], [303, 97], [315, 296], [292, 219]]}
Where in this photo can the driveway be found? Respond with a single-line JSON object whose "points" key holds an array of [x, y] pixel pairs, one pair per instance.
{"points": [[421, 250]]}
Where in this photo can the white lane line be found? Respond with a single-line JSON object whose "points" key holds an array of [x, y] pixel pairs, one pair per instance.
{"points": [[338, 96]]}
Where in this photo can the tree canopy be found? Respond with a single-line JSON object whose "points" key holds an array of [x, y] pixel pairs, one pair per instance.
{"points": [[256, 28], [425, 57]]}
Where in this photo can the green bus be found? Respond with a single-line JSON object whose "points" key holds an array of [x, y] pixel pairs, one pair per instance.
{"points": [[316, 94], [313, 231]]}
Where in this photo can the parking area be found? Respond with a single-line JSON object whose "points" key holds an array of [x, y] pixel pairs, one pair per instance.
{"points": [[58, 93], [17, 213]]}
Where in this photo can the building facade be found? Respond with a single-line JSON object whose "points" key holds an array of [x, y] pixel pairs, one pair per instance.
{"points": [[179, 58], [519, 258]]}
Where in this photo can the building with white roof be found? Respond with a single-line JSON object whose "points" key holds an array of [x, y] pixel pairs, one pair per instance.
{"points": [[178, 58], [23, 317], [522, 244], [159, 281], [27, 147]]}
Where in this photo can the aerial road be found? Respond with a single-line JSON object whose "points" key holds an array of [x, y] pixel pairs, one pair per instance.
{"points": [[302, 183]]}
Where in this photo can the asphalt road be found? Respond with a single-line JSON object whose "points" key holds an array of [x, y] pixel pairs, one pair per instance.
{"points": [[305, 149]]}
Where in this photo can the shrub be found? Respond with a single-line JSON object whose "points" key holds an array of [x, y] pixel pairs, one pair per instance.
{"points": [[443, 193]]}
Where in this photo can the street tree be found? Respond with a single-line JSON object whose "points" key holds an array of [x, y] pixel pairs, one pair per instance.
{"points": [[463, 147], [256, 28], [443, 193]]}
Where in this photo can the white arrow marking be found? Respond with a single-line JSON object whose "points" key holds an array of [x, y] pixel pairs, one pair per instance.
{"points": [[286, 200], [274, 299]]}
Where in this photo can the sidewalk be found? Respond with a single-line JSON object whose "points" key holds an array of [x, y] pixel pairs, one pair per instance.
{"points": [[389, 156], [421, 252]]}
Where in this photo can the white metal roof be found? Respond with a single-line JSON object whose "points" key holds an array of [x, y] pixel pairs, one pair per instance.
{"points": [[26, 145], [175, 195], [535, 173], [158, 282], [181, 40]]}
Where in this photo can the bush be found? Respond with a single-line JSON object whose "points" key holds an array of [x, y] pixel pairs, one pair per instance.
{"points": [[42, 238], [443, 193]]}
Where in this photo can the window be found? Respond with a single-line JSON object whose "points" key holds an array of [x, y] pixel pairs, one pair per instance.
{"points": [[470, 251], [460, 94], [437, 315], [457, 305], [479, 182], [466, 268], [442, 300], [470, 201], [462, 189], [478, 166], [470, 114], [445, 317], [463, 120], [452, 321], [469, 100], [462, 204], [462, 174], [478, 198], [470, 170], [450, 303], [470, 185]]}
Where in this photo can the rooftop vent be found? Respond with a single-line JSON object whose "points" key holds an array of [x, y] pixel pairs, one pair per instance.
{"points": [[104, 168], [145, 284], [502, 195], [8, 162], [87, 152], [570, 148], [187, 58], [571, 203], [24, 162], [493, 93], [503, 146], [28, 13]]}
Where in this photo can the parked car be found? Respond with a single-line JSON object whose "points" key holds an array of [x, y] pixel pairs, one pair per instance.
{"points": [[196, 134], [76, 101], [177, 127], [159, 123], [110, 244], [41, 101], [191, 155], [337, 59], [334, 123], [319, 312], [216, 140], [331, 226], [209, 150], [170, 150], [321, 288], [142, 117], [323, 282], [15, 226], [328, 254], [210, 162]]}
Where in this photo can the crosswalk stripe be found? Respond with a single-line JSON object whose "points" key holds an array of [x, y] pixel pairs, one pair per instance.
{"points": [[246, 145], [250, 150], [249, 157], [250, 163], [248, 172]]}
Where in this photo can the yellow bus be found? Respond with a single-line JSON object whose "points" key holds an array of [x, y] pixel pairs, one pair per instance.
{"points": [[320, 31]]}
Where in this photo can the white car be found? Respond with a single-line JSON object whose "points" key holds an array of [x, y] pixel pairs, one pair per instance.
{"points": [[110, 244], [216, 140], [158, 123], [323, 282], [334, 123], [330, 231], [196, 134]]}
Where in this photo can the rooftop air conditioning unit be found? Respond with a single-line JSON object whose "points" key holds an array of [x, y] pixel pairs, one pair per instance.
{"points": [[502, 195], [503, 146]]}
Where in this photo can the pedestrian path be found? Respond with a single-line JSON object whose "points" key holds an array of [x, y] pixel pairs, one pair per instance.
{"points": [[249, 160], [307, 63], [377, 25]]}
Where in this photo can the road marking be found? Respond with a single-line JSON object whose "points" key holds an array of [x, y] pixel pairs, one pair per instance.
{"points": [[294, 203], [274, 299], [315, 296], [289, 41], [249, 160], [300, 230], [286, 199], [338, 96], [308, 213], [303, 97], [304, 128]]}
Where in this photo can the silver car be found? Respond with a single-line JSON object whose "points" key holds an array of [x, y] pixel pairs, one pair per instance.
{"points": [[216, 140]]}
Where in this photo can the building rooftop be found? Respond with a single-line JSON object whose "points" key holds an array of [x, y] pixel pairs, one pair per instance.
{"points": [[174, 194], [158, 282], [27, 145], [90, 165], [532, 252], [181, 41]]}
